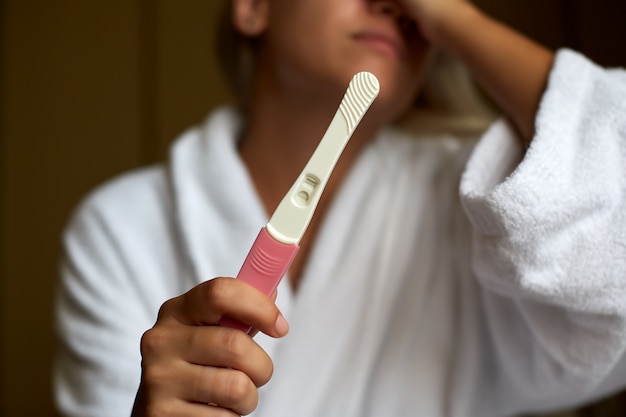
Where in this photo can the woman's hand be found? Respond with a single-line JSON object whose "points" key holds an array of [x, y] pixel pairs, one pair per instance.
{"points": [[432, 14], [192, 367]]}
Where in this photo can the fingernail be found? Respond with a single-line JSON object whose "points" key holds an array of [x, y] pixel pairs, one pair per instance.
{"points": [[281, 326]]}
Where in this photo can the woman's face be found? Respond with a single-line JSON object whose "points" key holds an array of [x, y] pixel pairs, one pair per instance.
{"points": [[318, 45]]}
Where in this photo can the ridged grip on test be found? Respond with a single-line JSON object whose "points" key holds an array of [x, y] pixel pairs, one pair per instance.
{"points": [[363, 89], [264, 267]]}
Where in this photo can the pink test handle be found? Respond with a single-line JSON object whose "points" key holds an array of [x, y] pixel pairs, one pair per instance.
{"points": [[264, 267]]}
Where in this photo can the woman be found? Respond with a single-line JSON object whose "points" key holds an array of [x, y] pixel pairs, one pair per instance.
{"points": [[405, 299]]}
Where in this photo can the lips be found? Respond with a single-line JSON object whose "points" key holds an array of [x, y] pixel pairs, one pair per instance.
{"points": [[383, 42]]}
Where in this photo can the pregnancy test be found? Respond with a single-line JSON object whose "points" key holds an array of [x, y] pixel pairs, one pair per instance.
{"points": [[278, 242]]}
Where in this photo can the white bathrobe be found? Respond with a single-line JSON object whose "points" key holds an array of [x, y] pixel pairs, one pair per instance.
{"points": [[449, 278]]}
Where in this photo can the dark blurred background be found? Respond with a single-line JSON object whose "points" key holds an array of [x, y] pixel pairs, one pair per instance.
{"points": [[89, 89]]}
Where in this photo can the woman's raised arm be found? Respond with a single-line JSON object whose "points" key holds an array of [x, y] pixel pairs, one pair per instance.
{"points": [[512, 68]]}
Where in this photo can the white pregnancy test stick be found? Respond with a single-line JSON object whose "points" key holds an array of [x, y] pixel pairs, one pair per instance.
{"points": [[277, 243]]}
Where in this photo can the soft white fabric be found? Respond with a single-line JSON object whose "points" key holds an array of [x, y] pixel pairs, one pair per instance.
{"points": [[416, 300]]}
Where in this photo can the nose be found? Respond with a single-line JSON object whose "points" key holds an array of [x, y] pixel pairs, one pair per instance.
{"points": [[389, 8]]}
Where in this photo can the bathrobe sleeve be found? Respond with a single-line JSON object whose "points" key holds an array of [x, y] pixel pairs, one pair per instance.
{"points": [[549, 245]]}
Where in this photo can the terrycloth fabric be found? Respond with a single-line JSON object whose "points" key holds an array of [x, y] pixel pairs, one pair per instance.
{"points": [[416, 300], [553, 234]]}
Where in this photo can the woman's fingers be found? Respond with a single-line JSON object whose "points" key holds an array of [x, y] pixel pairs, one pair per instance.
{"points": [[185, 409], [224, 347], [210, 390], [229, 388], [180, 408], [430, 14], [202, 365], [207, 303], [192, 365]]}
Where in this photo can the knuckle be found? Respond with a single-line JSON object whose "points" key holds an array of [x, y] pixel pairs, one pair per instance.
{"points": [[165, 309], [237, 345], [218, 290], [153, 342], [239, 390]]}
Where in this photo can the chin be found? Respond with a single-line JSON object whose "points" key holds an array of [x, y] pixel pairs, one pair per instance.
{"points": [[394, 98], [387, 110]]}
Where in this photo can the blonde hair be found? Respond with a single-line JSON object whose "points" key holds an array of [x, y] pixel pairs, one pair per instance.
{"points": [[449, 101]]}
